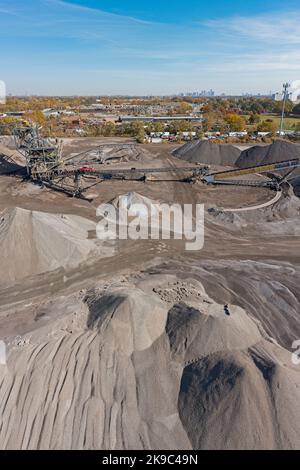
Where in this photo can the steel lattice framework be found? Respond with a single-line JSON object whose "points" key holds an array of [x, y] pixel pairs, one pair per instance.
{"points": [[44, 164], [42, 156]]}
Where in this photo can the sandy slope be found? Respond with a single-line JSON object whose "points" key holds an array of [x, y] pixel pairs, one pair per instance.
{"points": [[33, 242], [280, 216], [132, 367], [136, 350]]}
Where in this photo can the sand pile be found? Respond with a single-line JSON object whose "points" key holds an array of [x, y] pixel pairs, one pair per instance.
{"points": [[276, 220], [126, 201], [203, 151], [10, 158], [295, 182], [8, 165], [33, 242], [7, 141], [119, 153], [267, 290], [136, 210], [278, 151], [151, 363], [241, 400], [113, 153], [286, 208], [127, 208]]}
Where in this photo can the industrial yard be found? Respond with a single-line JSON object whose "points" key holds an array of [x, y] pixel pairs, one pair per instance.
{"points": [[149, 232]]}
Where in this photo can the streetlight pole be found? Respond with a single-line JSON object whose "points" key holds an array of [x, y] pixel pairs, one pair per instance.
{"points": [[285, 95]]}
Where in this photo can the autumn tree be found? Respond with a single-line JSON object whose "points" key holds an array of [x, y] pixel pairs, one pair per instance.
{"points": [[254, 119], [37, 117], [214, 122], [267, 126], [137, 129], [297, 127], [184, 108], [296, 109], [235, 122], [157, 126], [256, 107], [277, 107], [109, 129], [180, 126]]}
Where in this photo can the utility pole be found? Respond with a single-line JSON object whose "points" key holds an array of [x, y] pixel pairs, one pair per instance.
{"points": [[286, 86]]}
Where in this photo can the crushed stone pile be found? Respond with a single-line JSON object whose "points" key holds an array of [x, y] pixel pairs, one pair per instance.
{"points": [[120, 153], [113, 153], [295, 182], [278, 151], [203, 151]]}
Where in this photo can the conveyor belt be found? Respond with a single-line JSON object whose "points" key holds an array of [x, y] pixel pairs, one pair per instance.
{"points": [[288, 164], [130, 171], [255, 183]]}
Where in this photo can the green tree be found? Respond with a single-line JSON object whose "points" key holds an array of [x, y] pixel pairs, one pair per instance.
{"points": [[156, 126], [180, 126], [235, 122], [267, 126], [109, 129], [254, 119], [36, 117], [138, 131], [277, 107], [256, 107], [296, 109]]}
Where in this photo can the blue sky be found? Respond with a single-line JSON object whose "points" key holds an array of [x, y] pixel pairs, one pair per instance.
{"points": [[148, 47]]}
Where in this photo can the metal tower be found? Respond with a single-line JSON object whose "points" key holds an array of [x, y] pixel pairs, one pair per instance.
{"points": [[286, 86]]}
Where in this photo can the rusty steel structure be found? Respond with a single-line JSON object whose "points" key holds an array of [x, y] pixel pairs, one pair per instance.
{"points": [[42, 155], [45, 165]]}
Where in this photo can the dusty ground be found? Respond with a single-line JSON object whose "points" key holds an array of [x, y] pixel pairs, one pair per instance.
{"points": [[134, 350]]}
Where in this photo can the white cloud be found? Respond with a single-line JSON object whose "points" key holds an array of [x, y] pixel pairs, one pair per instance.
{"points": [[237, 52], [278, 27], [97, 11], [259, 44], [7, 11]]}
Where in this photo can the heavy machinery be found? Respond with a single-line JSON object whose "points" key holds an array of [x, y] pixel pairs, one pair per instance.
{"points": [[223, 177], [45, 165], [42, 156], [72, 175]]}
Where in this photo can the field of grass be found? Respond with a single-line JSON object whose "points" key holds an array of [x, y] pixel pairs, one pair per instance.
{"points": [[289, 122]]}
